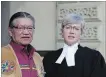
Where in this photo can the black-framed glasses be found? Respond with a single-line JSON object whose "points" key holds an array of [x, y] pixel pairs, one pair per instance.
{"points": [[22, 28]]}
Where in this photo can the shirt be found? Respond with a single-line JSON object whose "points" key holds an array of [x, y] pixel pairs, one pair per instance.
{"points": [[26, 61]]}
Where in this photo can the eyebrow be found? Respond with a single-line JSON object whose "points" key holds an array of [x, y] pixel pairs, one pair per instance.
{"points": [[25, 25]]}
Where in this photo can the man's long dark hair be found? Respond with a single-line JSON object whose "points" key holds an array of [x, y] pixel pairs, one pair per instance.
{"points": [[20, 15]]}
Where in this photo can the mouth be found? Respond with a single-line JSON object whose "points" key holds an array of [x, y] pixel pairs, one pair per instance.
{"points": [[71, 37], [25, 37]]}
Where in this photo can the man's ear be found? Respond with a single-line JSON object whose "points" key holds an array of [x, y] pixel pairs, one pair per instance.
{"points": [[10, 31], [61, 32]]}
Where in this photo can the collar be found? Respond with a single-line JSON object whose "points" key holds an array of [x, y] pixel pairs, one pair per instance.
{"points": [[68, 53], [18, 48]]}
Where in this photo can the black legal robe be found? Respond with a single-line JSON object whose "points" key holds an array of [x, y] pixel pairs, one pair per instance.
{"points": [[88, 63]]}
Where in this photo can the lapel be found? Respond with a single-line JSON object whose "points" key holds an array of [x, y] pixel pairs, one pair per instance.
{"points": [[39, 65], [9, 57]]}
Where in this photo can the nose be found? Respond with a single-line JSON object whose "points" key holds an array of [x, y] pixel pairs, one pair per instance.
{"points": [[71, 31], [25, 31]]}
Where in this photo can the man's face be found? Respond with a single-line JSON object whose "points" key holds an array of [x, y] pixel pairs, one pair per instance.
{"points": [[22, 32], [71, 33]]}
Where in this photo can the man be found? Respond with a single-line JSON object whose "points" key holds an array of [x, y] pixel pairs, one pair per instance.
{"points": [[19, 58], [74, 60]]}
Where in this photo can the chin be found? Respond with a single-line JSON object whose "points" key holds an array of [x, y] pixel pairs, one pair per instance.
{"points": [[26, 43], [71, 43]]}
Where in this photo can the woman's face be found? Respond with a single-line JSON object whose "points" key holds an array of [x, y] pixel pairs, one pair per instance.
{"points": [[71, 33]]}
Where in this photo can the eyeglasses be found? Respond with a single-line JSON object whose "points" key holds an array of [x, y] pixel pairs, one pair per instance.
{"points": [[22, 28], [74, 28]]}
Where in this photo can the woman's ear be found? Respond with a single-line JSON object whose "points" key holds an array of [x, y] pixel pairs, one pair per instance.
{"points": [[82, 30], [10, 31]]}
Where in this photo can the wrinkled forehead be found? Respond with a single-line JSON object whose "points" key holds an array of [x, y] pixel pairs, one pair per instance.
{"points": [[72, 19], [73, 25], [22, 21]]}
